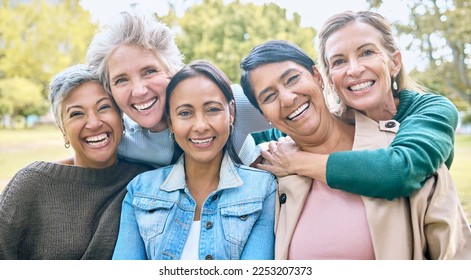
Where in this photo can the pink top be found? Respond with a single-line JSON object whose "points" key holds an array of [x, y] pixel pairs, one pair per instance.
{"points": [[332, 226]]}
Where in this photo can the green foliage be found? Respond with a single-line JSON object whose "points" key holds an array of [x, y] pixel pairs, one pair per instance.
{"points": [[38, 38], [466, 119], [21, 97], [225, 33], [441, 30]]}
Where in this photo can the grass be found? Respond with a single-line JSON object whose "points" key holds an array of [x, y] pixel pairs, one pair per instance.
{"points": [[461, 171], [23, 146], [19, 147]]}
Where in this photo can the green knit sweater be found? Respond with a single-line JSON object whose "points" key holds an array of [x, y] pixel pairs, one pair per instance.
{"points": [[54, 211], [424, 141]]}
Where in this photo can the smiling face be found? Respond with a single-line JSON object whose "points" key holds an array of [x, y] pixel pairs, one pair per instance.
{"points": [[200, 118], [138, 82], [360, 69], [290, 97], [92, 125]]}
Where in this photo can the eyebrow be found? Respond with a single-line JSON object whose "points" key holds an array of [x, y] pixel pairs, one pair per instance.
{"points": [[360, 47], [205, 104], [282, 77], [80, 106]]}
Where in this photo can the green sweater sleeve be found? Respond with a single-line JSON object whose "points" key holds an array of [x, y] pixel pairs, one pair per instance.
{"points": [[424, 141], [268, 135]]}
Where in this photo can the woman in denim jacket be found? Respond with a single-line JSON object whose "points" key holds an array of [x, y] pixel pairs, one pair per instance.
{"points": [[206, 205]]}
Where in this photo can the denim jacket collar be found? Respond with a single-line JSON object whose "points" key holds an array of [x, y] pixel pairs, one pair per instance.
{"points": [[228, 176]]}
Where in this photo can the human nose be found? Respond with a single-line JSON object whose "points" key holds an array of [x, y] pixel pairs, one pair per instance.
{"points": [[287, 98], [200, 124], [93, 121], [139, 88], [355, 68]]}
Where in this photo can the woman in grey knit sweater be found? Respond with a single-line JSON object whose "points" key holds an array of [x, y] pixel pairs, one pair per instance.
{"points": [[71, 211]]}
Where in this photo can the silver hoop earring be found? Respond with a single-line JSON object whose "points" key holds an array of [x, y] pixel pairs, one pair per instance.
{"points": [[171, 137]]}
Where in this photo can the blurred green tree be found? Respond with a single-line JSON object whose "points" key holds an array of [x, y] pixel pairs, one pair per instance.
{"points": [[39, 38], [21, 97], [224, 33], [441, 31]]}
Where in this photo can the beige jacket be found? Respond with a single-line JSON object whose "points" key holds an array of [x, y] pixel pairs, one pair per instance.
{"points": [[431, 224]]}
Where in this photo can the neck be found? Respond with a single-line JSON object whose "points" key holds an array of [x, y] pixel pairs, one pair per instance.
{"points": [[161, 126], [202, 178], [385, 112], [337, 136]]}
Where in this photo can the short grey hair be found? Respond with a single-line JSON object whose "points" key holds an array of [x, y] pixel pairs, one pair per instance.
{"points": [[133, 29], [64, 83]]}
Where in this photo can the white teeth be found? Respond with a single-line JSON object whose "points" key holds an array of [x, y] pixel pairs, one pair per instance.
{"points": [[298, 111], [205, 141], [145, 106], [361, 86], [96, 138]]}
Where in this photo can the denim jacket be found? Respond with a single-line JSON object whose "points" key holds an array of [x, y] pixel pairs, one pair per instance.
{"points": [[237, 219]]}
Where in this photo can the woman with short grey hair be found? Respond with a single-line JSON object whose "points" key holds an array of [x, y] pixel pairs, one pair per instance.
{"points": [[71, 210], [135, 57]]}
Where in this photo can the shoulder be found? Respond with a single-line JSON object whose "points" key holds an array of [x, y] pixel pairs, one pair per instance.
{"points": [[237, 90], [240, 98], [134, 166], [25, 185], [35, 170], [251, 170], [255, 177], [431, 104], [149, 181], [428, 99]]}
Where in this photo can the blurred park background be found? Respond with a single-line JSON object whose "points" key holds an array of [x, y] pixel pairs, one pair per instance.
{"points": [[38, 38]]}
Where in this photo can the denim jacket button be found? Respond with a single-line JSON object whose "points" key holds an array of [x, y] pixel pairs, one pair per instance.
{"points": [[244, 217], [282, 198], [208, 257], [209, 225]]}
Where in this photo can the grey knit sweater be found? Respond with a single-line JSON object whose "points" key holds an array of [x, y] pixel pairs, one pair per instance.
{"points": [[55, 211]]}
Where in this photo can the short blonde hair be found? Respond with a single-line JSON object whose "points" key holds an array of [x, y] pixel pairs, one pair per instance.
{"points": [[338, 21]]}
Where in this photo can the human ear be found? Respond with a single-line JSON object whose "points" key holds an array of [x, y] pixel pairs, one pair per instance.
{"points": [[396, 60]]}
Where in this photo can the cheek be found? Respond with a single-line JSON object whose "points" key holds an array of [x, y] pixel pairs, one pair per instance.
{"points": [[159, 84], [120, 96], [335, 78], [271, 112], [180, 128], [117, 123], [72, 131]]}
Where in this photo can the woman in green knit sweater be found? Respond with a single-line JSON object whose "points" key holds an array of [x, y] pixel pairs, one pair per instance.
{"points": [[364, 71], [71, 211]]}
